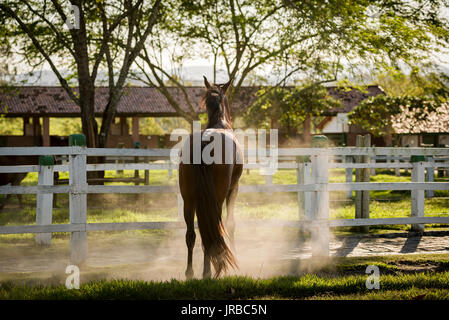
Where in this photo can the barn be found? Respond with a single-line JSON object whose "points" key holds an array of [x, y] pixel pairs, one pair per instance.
{"points": [[36, 105]]}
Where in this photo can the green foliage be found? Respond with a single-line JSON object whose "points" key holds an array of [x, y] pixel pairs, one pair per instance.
{"points": [[65, 126], [293, 39], [375, 114], [149, 126], [288, 107], [11, 126], [418, 83]]}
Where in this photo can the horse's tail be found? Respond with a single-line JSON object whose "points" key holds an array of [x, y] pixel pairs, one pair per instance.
{"points": [[208, 212]]}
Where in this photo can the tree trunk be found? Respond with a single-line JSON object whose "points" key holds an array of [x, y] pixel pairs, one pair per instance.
{"points": [[389, 137], [306, 131]]}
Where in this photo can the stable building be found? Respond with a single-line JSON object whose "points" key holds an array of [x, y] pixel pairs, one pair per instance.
{"points": [[335, 124], [36, 105]]}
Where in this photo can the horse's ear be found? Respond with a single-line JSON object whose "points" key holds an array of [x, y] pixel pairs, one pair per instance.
{"points": [[206, 83], [226, 85]]}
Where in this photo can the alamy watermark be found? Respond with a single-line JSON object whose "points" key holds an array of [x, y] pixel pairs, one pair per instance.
{"points": [[73, 280], [373, 279], [221, 150], [73, 17], [70, 13]]}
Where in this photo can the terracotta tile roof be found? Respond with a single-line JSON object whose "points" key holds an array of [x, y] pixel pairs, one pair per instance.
{"points": [[352, 98], [54, 101], [140, 101]]}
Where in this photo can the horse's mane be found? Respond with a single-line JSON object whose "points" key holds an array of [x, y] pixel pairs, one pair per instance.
{"points": [[224, 102]]}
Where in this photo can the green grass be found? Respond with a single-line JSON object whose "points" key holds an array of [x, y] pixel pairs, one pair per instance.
{"points": [[341, 279], [162, 207], [344, 278]]}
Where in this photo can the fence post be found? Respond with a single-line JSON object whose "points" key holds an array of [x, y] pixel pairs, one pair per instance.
{"points": [[300, 181], [373, 160], [358, 178], [430, 176], [303, 176], [137, 145], [320, 173], [78, 201], [44, 202], [147, 172], [308, 196], [362, 198], [417, 195], [397, 171], [366, 178], [348, 159]]}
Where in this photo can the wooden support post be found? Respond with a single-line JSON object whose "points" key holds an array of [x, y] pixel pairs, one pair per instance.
{"points": [[120, 160], [78, 201], [37, 131], [135, 129], [46, 131], [124, 128], [26, 126], [430, 171], [348, 159], [417, 195], [320, 172], [136, 145], [147, 176], [44, 202]]}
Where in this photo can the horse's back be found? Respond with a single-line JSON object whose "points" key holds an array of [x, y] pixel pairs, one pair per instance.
{"points": [[226, 167]]}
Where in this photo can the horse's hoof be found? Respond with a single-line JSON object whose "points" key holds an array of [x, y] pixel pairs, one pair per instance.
{"points": [[206, 275], [189, 274]]}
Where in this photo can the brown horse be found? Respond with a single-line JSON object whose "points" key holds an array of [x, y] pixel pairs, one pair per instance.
{"points": [[205, 187]]}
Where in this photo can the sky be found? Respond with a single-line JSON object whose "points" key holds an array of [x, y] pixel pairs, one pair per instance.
{"points": [[192, 71]]}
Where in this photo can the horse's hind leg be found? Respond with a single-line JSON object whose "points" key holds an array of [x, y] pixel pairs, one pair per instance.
{"points": [[206, 267], [190, 238], [230, 222]]}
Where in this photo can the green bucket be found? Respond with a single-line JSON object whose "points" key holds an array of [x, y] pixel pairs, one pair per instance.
{"points": [[46, 160], [77, 140]]}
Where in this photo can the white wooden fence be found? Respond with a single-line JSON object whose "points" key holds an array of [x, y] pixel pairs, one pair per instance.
{"points": [[312, 185]]}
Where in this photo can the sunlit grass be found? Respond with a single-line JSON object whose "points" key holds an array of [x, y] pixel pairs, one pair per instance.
{"points": [[163, 207], [309, 286]]}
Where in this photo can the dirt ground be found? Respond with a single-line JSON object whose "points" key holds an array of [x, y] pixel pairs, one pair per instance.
{"points": [[260, 252]]}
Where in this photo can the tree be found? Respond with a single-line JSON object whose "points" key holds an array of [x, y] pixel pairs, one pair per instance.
{"points": [[290, 108], [289, 39], [46, 33], [377, 115], [410, 98], [420, 81]]}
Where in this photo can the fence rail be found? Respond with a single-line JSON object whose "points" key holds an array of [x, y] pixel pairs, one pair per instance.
{"points": [[312, 186]]}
